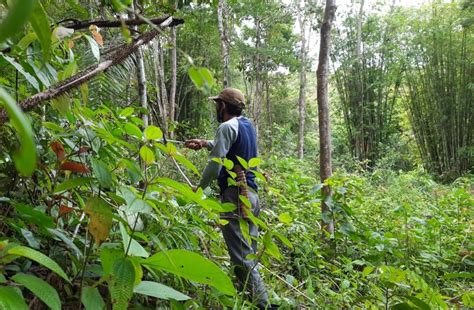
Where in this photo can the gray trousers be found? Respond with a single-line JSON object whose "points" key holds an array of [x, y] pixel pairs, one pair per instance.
{"points": [[238, 247]]}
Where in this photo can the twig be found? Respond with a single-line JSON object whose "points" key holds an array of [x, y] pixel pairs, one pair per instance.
{"points": [[182, 173], [289, 284]]}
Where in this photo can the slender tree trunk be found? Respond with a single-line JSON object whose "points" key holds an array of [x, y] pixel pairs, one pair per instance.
{"points": [[163, 91], [172, 97], [323, 109], [142, 93], [359, 68], [222, 25], [163, 120], [302, 94]]}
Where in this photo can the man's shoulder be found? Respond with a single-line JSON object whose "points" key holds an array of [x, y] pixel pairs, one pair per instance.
{"points": [[231, 124]]}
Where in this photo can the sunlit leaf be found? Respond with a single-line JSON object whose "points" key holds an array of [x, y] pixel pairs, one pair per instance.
{"points": [[94, 47], [147, 155], [153, 133], [193, 267]]}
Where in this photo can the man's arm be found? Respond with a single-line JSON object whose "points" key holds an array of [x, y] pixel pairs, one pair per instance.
{"points": [[225, 137]]}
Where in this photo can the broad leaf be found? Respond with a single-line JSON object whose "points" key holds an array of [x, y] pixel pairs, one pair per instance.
{"points": [[159, 290], [121, 284], [100, 218], [31, 79], [25, 158], [40, 288], [133, 130], [147, 155], [193, 267], [39, 258], [135, 248], [102, 173], [91, 298], [10, 300], [153, 133]]}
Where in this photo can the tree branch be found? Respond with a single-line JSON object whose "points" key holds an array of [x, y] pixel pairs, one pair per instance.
{"points": [[76, 25], [84, 76]]}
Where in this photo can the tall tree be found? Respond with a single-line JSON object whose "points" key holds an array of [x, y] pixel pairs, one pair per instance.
{"points": [[223, 26], [302, 6], [323, 109], [172, 96], [141, 76]]}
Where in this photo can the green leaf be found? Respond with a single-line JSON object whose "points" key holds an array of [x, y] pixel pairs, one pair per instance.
{"points": [[121, 284], [31, 79], [30, 238], [26, 40], [135, 248], [270, 247], [40, 288], [61, 104], [39, 22], [463, 275], [196, 78], [40, 258], [402, 306], [285, 218], [185, 162], [67, 240], [127, 112], [133, 130], [94, 47], [254, 162], [134, 204], [228, 164], [102, 173], [193, 267], [418, 302], [91, 298], [107, 258], [159, 290], [25, 158], [153, 133], [206, 76], [147, 155], [33, 216], [283, 239], [243, 162], [18, 14], [70, 184], [10, 300]]}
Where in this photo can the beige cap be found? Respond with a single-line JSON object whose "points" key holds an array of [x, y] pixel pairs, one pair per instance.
{"points": [[232, 96]]}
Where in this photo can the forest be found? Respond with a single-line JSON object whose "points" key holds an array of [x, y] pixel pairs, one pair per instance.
{"points": [[363, 113]]}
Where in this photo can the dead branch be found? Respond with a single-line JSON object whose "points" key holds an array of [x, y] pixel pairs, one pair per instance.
{"points": [[76, 25]]}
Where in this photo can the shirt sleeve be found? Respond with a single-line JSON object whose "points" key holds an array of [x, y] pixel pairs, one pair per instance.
{"points": [[225, 137]]}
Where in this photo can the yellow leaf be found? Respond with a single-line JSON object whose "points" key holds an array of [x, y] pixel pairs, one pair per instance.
{"points": [[97, 36], [100, 219]]}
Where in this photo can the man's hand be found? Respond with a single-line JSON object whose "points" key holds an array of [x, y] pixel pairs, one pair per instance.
{"points": [[195, 144]]}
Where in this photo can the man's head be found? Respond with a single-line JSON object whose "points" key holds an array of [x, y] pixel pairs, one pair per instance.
{"points": [[230, 101]]}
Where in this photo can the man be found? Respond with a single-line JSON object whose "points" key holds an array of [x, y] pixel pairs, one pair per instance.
{"points": [[235, 137]]}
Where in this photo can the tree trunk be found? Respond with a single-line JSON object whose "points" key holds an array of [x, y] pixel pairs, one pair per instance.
{"points": [[323, 109], [172, 97], [222, 25], [302, 94], [163, 91], [163, 119], [142, 94]]}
